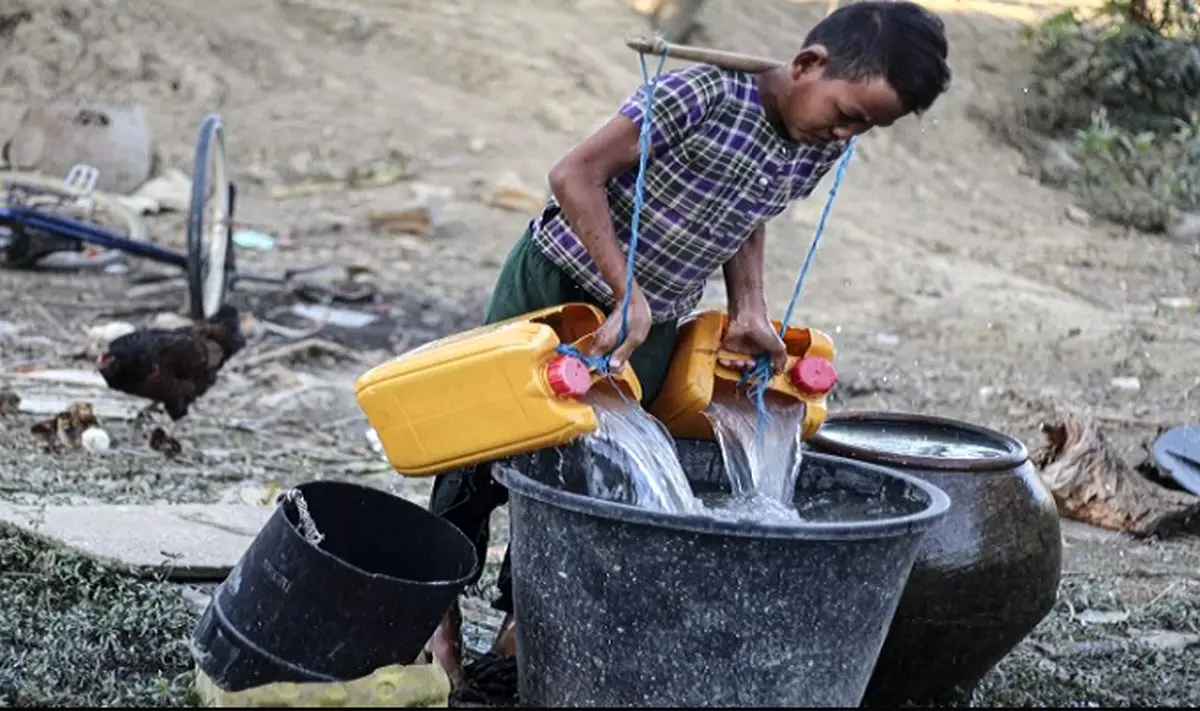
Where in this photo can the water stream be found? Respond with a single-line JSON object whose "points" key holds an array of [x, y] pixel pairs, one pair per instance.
{"points": [[759, 464], [634, 459]]}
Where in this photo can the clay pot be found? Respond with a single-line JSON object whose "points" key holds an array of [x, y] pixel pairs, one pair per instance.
{"points": [[985, 576]]}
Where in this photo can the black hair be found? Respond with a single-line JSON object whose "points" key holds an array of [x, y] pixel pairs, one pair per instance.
{"points": [[901, 42]]}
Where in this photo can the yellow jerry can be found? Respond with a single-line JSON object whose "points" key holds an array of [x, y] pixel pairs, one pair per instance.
{"points": [[488, 393], [695, 375]]}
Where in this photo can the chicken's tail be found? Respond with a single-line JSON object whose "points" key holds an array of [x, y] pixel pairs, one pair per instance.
{"points": [[225, 328]]}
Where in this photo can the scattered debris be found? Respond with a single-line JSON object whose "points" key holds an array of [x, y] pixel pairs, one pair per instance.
{"points": [[107, 408], [1176, 302], [1078, 215], [1102, 617], [254, 494], [1177, 452], [374, 442], [196, 597], [510, 193], [100, 336], [10, 403], [170, 320], [164, 443], [1130, 384], [1167, 639], [328, 315], [419, 218], [1076, 531], [1184, 227], [53, 137], [1092, 484], [65, 376], [886, 339], [95, 439], [349, 284], [385, 171], [171, 191], [295, 350], [254, 239]]}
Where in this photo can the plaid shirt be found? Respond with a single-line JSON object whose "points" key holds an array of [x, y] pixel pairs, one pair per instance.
{"points": [[717, 170]]}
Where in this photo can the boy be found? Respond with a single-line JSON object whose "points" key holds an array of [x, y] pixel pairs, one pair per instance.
{"points": [[729, 151]]}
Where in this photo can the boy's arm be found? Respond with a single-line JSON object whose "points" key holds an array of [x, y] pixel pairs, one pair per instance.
{"points": [[744, 278], [750, 331], [682, 100]]}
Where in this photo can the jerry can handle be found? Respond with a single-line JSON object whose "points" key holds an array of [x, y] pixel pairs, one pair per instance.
{"points": [[811, 375], [625, 380]]}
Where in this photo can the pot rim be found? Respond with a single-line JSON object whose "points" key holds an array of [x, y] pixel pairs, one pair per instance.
{"points": [[939, 503], [292, 531], [1015, 453]]}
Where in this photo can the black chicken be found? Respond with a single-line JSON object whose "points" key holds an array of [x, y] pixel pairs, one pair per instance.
{"points": [[172, 367]]}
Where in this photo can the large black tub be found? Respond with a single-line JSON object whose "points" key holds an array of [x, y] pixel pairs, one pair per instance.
{"points": [[621, 606]]}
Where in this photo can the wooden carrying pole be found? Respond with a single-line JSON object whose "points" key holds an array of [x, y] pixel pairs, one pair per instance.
{"points": [[726, 60]]}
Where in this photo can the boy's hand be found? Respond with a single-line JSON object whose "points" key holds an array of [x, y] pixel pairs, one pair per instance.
{"points": [[752, 335], [638, 328]]}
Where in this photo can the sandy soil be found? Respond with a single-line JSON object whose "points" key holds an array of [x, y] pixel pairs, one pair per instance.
{"points": [[952, 282]]}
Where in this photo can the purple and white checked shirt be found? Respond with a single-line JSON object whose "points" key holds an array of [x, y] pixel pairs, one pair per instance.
{"points": [[717, 171]]}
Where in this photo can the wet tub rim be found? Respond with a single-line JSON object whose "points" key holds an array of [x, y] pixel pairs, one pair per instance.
{"points": [[1015, 452], [939, 503], [358, 570]]}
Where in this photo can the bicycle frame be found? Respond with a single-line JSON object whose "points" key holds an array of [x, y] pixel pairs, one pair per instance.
{"points": [[19, 215]]}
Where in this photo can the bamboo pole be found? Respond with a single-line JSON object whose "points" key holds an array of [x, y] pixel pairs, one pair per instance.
{"points": [[726, 60]]}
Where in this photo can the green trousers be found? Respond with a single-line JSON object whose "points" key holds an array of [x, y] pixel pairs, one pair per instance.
{"points": [[528, 281]]}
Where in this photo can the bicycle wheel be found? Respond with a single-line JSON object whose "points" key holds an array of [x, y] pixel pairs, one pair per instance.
{"points": [[120, 219], [210, 222]]}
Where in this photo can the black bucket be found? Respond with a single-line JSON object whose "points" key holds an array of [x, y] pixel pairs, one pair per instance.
{"points": [[369, 594], [622, 606]]}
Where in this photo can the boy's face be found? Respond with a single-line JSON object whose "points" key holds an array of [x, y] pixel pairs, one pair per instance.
{"points": [[816, 108]]}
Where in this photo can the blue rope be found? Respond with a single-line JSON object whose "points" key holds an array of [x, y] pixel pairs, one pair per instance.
{"points": [[600, 363], [758, 379]]}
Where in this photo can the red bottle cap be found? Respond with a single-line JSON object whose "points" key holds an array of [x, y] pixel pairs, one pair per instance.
{"points": [[814, 375], [568, 377]]}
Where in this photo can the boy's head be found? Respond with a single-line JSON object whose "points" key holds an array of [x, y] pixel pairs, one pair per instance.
{"points": [[867, 64]]}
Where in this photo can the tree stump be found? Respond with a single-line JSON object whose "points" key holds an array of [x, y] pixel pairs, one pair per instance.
{"points": [[1092, 484]]}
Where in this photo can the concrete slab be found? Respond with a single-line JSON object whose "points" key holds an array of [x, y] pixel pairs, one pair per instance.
{"points": [[193, 542]]}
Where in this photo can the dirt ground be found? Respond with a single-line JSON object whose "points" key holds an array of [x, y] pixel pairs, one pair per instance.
{"points": [[952, 282]]}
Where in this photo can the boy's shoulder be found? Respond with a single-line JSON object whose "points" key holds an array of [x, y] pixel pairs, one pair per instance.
{"points": [[710, 82]]}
